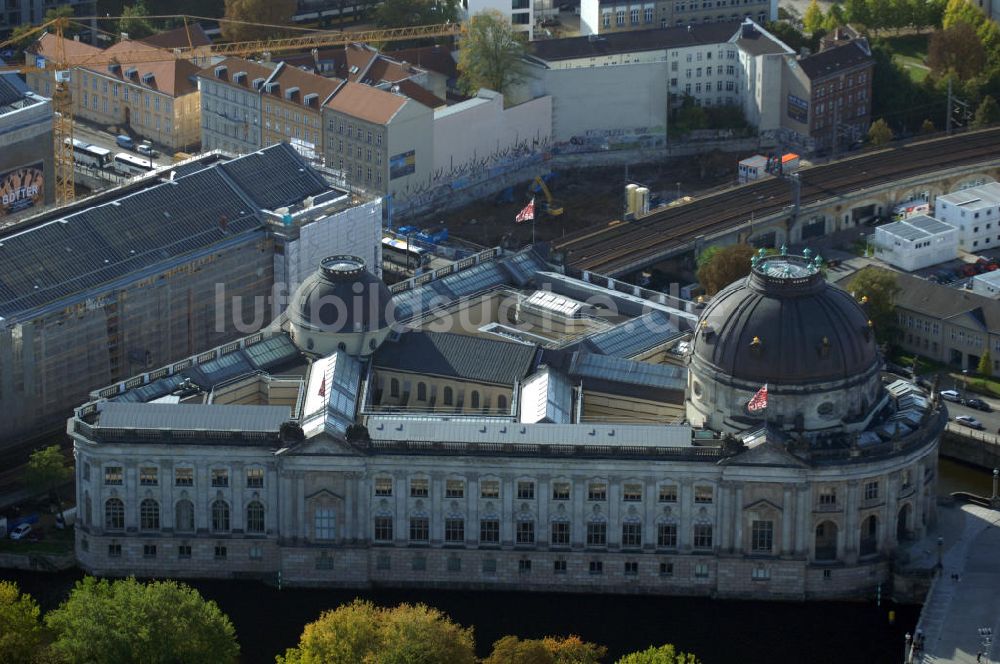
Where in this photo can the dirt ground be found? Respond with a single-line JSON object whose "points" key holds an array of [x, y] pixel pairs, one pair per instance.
{"points": [[589, 196]]}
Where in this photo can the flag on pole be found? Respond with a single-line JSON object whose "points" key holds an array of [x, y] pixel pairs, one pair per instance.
{"points": [[759, 401], [322, 385], [527, 214]]}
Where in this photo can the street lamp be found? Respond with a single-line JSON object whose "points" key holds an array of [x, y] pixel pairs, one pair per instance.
{"points": [[940, 544], [678, 192], [965, 384], [906, 649], [996, 475]]}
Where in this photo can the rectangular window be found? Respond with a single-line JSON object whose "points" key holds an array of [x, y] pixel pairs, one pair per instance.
{"points": [[148, 550], [454, 564], [183, 476], [255, 478], [701, 571], [703, 494], [220, 477], [148, 476], [828, 496], [184, 551], [489, 531], [620, 17], [597, 534], [666, 569], [524, 565], [762, 573], [419, 488], [256, 553], [597, 491], [383, 486], [871, 490], [668, 493], [113, 475], [703, 536], [631, 535], [560, 533], [525, 532], [632, 493], [489, 489], [631, 568], [761, 536], [419, 529], [114, 550], [454, 489], [418, 563], [559, 567], [325, 522], [560, 491], [220, 552], [454, 531], [596, 567], [383, 529], [489, 566], [526, 490], [666, 535]]}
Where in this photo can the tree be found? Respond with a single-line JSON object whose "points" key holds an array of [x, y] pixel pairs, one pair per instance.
{"points": [[125, 621], [858, 11], [490, 54], [405, 13], [47, 471], [134, 22], [20, 630], [720, 266], [987, 113], [665, 654], [550, 650], [813, 18], [956, 49], [362, 632], [985, 366], [268, 13], [880, 133], [961, 11], [927, 127], [876, 289], [835, 18]]}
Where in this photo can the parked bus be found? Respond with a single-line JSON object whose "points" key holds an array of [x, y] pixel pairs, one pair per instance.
{"points": [[396, 251], [131, 165], [90, 155]]}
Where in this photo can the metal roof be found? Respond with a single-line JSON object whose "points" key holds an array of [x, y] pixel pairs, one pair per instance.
{"points": [[332, 394], [457, 356], [634, 41], [634, 336], [274, 177], [917, 228], [192, 417], [621, 370]]}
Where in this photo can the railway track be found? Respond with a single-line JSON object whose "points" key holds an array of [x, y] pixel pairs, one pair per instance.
{"points": [[619, 246]]}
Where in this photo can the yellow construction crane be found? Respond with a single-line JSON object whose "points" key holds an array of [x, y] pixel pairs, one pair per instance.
{"points": [[62, 64]]}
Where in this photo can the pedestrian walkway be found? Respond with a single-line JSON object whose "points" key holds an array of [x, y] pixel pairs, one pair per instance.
{"points": [[965, 596]]}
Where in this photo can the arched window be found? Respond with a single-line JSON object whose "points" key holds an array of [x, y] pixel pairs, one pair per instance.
{"points": [[474, 400], [448, 396], [149, 515], [114, 514], [255, 517], [184, 516], [220, 516], [421, 392], [394, 387], [502, 403]]}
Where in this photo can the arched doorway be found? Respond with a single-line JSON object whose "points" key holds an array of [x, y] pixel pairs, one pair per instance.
{"points": [[869, 536], [903, 523], [128, 117], [826, 541]]}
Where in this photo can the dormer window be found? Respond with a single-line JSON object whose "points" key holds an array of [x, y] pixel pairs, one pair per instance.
{"points": [[147, 78], [272, 87], [220, 71], [131, 72], [258, 83], [239, 77], [114, 67], [310, 98], [291, 92]]}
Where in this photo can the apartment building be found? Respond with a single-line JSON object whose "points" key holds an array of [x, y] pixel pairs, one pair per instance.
{"points": [[142, 90], [231, 94], [293, 109], [604, 16], [975, 212]]}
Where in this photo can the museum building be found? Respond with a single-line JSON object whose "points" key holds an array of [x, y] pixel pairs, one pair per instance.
{"points": [[498, 424]]}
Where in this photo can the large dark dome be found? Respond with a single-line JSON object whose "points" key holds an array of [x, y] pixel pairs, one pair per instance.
{"points": [[785, 325], [341, 297]]}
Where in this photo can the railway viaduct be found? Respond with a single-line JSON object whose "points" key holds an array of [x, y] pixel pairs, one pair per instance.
{"points": [[833, 197]]}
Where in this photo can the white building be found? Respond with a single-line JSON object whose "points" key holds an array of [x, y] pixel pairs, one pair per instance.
{"points": [[976, 213], [520, 13], [916, 243], [987, 283]]}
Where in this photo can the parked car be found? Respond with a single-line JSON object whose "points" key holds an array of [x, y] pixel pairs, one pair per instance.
{"points": [[146, 148], [951, 395], [125, 141], [979, 404], [21, 531], [969, 421]]}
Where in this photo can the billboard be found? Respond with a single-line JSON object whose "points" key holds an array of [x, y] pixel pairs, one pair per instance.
{"points": [[798, 109], [402, 164], [21, 188]]}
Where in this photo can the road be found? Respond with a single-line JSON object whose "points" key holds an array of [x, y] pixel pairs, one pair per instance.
{"points": [[991, 421], [102, 139]]}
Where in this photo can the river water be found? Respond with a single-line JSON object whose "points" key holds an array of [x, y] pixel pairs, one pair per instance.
{"points": [[719, 631]]}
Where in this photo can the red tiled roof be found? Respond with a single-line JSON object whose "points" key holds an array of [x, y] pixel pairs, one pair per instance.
{"points": [[435, 58], [366, 103], [421, 95], [307, 83], [179, 38]]}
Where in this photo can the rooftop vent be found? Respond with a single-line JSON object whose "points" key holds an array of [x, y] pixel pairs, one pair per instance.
{"points": [[240, 77], [220, 72]]}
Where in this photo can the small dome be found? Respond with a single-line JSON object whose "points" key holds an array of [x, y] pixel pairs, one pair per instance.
{"points": [[341, 297], [785, 325]]}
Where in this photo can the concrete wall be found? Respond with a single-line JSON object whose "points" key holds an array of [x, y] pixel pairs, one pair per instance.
{"points": [[411, 129], [978, 448], [25, 140]]}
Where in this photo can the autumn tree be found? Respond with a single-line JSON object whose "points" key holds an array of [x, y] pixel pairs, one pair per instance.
{"points": [[490, 54], [665, 654], [956, 49], [128, 622], [720, 266], [20, 630], [987, 113], [405, 13], [961, 11], [362, 632], [550, 650], [812, 20], [880, 133], [48, 471], [876, 290], [270, 14], [985, 366]]}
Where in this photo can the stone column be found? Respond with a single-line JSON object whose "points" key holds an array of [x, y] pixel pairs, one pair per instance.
{"points": [[507, 512], [614, 512], [649, 502], [578, 527], [437, 508], [738, 520], [787, 519], [364, 493], [350, 508], [725, 516], [803, 520], [686, 500], [543, 493], [300, 502], [472, 509], [851, 534], [286, 496], [888, 540], [400, 513], [272, 517]]}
